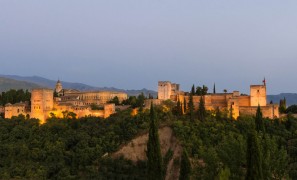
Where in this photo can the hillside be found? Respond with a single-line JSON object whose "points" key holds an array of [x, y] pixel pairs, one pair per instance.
{"points": [[135, 150], [7, 84], [43, 82]]}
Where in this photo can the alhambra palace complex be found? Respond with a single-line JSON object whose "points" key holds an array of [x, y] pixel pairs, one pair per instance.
{"points": [[44, 104], [240, 104]]}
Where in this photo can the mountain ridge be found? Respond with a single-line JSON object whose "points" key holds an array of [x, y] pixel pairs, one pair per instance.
{"points": [[47, 83]]}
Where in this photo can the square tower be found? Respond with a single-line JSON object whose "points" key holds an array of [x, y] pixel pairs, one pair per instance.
{"points": [[42, 101], [258, 95], [164, 90]]}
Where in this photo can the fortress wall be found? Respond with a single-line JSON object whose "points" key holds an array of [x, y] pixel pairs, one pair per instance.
{"points": [[267, 111], [147, 102], [244, 100], [219, 100]]}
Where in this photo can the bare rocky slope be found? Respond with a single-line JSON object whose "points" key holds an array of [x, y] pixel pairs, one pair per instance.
{"points": [[135, 150]]}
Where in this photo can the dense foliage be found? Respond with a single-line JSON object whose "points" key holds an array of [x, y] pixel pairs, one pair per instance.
{"points": [[218, 147], [67, 148], [215, 147], [14, 96]]}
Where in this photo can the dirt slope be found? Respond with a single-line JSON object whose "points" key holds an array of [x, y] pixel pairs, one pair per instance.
{"points": [[135, 150]]}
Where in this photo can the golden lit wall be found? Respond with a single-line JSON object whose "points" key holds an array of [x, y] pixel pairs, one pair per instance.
{"points": [[15, 110], [258, 95], [42, 101]]}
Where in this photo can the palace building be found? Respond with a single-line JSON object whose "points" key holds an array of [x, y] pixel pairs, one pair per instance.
{"points": [[44, 105], [238, 103]]}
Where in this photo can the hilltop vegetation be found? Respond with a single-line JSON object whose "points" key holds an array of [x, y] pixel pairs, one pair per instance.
{"points": [[14, 96], [80, 148]]}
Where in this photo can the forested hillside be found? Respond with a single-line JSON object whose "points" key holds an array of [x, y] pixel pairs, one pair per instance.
{"points": [[216, 146]]}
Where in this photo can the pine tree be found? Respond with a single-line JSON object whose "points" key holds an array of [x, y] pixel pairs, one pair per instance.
{"points": [[191, 107], [201, 110], [185, 167], [155, 161], [259, 120], [254, 158]]}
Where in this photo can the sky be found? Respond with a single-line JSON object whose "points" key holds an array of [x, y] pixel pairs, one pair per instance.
{"points": [[132, 44]]}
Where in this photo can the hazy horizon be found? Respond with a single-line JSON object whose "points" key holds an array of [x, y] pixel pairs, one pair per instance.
{"points": [[134, 44]]}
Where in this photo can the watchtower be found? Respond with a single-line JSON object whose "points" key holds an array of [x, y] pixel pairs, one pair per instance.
{"points": [[41, 103], [258, 95]]}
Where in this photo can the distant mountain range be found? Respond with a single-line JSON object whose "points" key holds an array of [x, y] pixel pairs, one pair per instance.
{"points": [[28, 82], [290, 97], [7, 84]]}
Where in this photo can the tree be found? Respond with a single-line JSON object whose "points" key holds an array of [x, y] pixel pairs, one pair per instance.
{"points": [[259, 120], [155, 161], [282, 105], [199, 91], [178, 109], [185, 105], [56, 94], [115, 101], [214, 88], [185, 166], [292, 109], [204, 90], [191, 107], [254, 158], [218, 114], [201, 110], [193, 90]]}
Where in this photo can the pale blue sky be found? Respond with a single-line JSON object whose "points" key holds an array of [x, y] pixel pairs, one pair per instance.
{"points": [[132, 44]]}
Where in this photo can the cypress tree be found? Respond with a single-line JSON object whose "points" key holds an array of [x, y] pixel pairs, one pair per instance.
{"points": [[178, 107], [185, 166], [214, 88], [185, 105], [155, 161], [259, 120], [191, 107], [201, 110], [254, 158], [193, 90], [181, 112]]}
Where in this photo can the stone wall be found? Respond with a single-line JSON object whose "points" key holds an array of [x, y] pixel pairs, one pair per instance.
{"points": [[269, 111]]}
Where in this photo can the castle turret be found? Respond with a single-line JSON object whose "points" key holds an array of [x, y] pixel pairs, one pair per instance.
{"points": [[58, 86]]}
